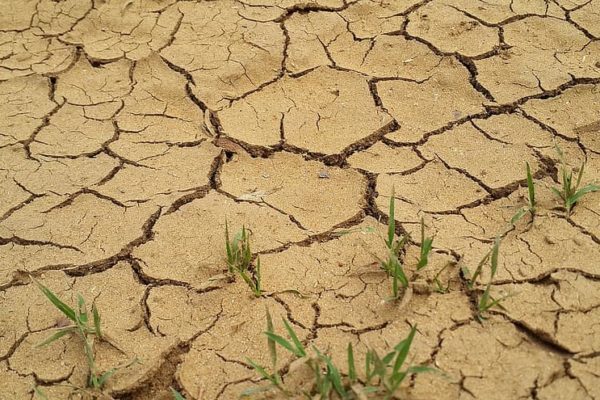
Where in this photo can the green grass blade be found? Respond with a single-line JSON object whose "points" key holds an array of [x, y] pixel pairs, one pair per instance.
{"points": [[530, 187], [299, 347], [518, 215], [419, 369], [581, 192], [557, 193], [284, 343], [257, 275], [395, 282], [96, 316], [579, 176], [399, 272], [369, 366], [379, 365], [262, 372], [387, 359], [386, 267], [176, 394], [253, 391], [105, 376], [484, 300], [81, 305], [370, 389], [391, 221], [333, 374], [246, 252], [244, 274], [479, 268], [351, 366], [402, 350], [495, 254], [496, 302], [426, 246], [270, 342], [39, 393], [336, 378], [396, 379], [567, 182], [56, 336], [323, 385], [65, 309]]}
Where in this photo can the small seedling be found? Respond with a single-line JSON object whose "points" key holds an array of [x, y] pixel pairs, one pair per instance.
{"points": [[388, 370], [393, 267], [239, 257], [238, 251], [530, 190], [383, 375], [531, 206], [436, 279], [486, 301], [273, 378], [471, 279], [426, 244], [83, 327], [570, 192]]}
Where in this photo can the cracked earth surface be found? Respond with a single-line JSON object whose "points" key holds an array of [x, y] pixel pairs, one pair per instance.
{"points": [[130, 130]]}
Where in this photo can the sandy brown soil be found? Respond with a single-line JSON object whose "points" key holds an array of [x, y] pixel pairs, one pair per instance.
{"points": [[131, 129]]}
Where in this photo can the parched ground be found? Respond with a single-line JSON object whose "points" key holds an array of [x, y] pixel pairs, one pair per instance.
{"points": [[130, 130]]}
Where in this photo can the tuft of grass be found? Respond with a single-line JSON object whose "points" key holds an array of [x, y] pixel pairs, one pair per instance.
{"points": [[273, 378], [84, 327], [486, 301], [570, 191], [238, 250], [392, 266], [384, 375], [239, 258], [426, 245]]}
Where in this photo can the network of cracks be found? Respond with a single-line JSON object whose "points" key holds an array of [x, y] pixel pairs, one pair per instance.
{"points": [[131, 130]]}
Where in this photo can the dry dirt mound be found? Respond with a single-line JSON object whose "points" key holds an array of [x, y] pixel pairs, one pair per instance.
{"points": [[130, 130]]}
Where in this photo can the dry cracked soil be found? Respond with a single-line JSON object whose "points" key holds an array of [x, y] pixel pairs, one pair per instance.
{"points": [[130, 130]]}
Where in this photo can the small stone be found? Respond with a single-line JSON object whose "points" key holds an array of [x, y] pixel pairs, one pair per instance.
{"points": [[324, 174]]}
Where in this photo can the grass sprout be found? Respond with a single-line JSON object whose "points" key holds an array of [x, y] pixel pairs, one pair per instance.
{"points": [[239, 258], [570, 191], [238, 250], [530, 190], [388, 371], [384, 375], [84, 326], [273, 378], [436, 279], [426, 245], [486, 301], [392, 266], [531, 199]]}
